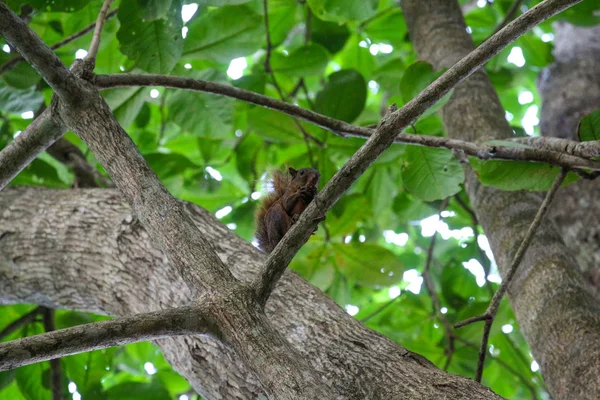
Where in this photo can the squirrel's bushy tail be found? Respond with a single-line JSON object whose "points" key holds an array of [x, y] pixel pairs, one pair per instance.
{"points": [[280, 181]]}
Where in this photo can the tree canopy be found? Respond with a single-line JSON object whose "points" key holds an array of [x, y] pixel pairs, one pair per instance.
{"points": [[348, 60]]}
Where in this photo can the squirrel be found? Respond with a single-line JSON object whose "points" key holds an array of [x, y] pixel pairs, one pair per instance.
{"points": [[280, 209]]}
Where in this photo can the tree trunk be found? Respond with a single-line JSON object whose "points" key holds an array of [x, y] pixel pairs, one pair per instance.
{"points": [[82, 249], [559, 318], [570, 89]]}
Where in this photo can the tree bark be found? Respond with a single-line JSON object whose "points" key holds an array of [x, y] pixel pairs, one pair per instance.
{"points": [[558, 316], [570, 89], [82, 249]]}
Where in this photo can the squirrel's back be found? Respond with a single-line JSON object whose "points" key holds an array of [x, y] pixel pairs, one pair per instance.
{"points": [[280, 183]]}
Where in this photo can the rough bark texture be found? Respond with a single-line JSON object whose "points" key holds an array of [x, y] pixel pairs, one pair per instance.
{"points": [[570, 89], [559, 318], [84, 250]]}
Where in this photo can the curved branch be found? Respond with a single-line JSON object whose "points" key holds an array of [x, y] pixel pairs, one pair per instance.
{"points": [[95, 44], [546, 154], [100, 335]]}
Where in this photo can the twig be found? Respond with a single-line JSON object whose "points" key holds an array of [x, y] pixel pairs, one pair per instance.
{"points": [[55, 368], [377, 15], [492, 309], [344, 129], [13, 62], [100, 335], [95, 44], [516, 373], [269, 71], [382, 308], [24, 320], [437, 305]]}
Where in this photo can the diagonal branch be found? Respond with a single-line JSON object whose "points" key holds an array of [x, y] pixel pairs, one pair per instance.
{"points": [[394, 121], [95, 44], [100, 335], [492, 309], [24, 320], [13, 62]]}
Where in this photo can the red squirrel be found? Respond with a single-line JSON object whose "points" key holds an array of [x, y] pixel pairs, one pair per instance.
{"points": [[280, 209]]}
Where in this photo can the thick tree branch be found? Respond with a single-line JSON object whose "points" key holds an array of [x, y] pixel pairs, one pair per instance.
{"points": [[344, 129], [492, 309], [19, 153], [13, 62], [100, 335], [394, 121], [30, 46]]}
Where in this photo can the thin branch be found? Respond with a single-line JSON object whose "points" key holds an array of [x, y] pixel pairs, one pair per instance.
{"points": [[100, 335], [24, 320], [95, 44], [580, 149], [492, 309], [437, 305], [382, 308], [344, 129], [13, 62], [269, 71], [509, 368], [394, 121], [55, 368]]}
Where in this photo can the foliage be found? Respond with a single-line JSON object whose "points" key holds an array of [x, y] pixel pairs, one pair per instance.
{"points": [[211, 150]]}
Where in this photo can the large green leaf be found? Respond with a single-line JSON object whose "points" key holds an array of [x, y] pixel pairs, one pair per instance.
{"points": [[416, 78], [29, 379], [224, 33], [50, 5], [307, 60], [330, 35], [589, 127], [154, 9], [344, 96], [155, 45], [390, 28], [7, 377], [274, 126], [368, 264], [430, 173], [138, 391], [19, 100], [126, 103], [518, 175], [342, 11]]}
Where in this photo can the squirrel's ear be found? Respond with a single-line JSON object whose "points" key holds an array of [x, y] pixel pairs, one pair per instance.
{"points": [[293, 172]]}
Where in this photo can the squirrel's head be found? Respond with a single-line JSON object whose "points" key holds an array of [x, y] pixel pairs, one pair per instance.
{"points": [[305, 176]]}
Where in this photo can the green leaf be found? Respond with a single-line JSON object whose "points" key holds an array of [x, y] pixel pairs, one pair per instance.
{"points": [[589, 127], [535, 51], [409, 209], [50, 5], [29, 379], [211, 116], [274, 126], [368, 264], [126, 103], [19, 100], [247, 155], [7, 377], [305, 61], [344, 95], [416, 78], [224, 33], [355, 56], [330, 35], [154, 9], [390, 28], [518, 175], [22, 76], [155, 46], [342, 11], [431, 173], [138, 391], [169, 165]]}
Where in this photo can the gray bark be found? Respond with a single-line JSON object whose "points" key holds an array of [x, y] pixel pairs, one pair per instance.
{"points": [[570, 89], [82, 249], [558, 316]]}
